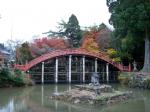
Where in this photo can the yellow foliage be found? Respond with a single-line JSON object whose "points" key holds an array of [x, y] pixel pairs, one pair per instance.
{"points": [[112, 52], [89, 43], [117, 59]]}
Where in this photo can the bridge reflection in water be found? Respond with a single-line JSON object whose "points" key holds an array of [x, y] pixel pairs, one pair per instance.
{"points": [[72, 69], [37, 99]]}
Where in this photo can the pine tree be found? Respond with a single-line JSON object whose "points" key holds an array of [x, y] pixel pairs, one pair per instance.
{"points": [[70, 30], [73, 31]]}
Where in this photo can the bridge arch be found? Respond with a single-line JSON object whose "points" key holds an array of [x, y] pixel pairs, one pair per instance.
{"points": [[80, 53], [59, 53]]}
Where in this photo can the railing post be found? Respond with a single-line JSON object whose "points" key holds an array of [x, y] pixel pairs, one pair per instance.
{"points": [[129, 67], [121, 67]]}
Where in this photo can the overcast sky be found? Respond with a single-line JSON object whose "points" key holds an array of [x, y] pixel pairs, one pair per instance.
{"points": [[23, 19]]}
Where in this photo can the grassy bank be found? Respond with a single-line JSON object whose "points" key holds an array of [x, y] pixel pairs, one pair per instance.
{"points": [[14, 78], [135, 79]]}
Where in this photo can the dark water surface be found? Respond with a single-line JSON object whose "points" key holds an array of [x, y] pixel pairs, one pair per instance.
{"points": [[36, 99]]}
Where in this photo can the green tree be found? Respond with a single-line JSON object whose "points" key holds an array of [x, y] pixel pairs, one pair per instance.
{"points": [[73, 31], [23, 54], [61, 30], [70, 30], [132, 17]]}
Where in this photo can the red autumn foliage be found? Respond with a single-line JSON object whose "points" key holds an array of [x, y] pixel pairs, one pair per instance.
{"points": [[96, 39], [44, 45], [56, 43]]}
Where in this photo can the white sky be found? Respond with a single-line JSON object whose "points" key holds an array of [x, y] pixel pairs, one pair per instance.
{"points": [[23, 19]]}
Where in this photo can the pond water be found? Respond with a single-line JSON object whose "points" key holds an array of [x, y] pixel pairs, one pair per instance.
{"points": [[36, 99]]}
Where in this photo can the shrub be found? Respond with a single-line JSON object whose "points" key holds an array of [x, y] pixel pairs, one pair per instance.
{"points": [[4, 74], [140, 81], [125, 78], [14, 78], [5, 77], [146, 83], [18, 82], [17, 72]]}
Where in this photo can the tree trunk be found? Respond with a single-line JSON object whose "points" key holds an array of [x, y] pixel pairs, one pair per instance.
{"points": [[146, 67]]}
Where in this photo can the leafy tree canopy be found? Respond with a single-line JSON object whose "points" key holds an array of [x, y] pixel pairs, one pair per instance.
{"points": [[130, 18], [23, 53]]}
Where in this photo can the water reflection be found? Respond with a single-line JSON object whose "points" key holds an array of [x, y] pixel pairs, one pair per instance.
{"points": [[36, 99], [9, 107], [42, 94]]}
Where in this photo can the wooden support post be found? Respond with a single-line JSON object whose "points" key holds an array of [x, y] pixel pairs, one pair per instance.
{"points": [[95, 65], [70, 58], [42, 78], [56, 70], [107, 72], [83, 65]]}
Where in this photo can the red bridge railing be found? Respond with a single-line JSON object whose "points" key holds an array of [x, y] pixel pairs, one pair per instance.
{"points": [[58, 53]]}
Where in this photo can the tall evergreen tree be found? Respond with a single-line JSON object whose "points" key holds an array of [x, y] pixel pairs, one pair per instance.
{"points": [[73, 31], [70, 30], [132, 17]]}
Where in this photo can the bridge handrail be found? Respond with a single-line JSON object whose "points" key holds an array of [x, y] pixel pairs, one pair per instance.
{"points": [[57, 53]]}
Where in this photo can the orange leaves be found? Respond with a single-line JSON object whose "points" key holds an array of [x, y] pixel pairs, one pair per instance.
{"points": [[89, 41], [97, 38]]}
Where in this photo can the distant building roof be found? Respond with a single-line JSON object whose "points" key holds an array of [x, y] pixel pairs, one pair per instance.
{"points": [[4, 52]]}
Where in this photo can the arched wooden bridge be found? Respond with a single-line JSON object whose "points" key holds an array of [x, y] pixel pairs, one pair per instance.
{"points": [[82, 52]]}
